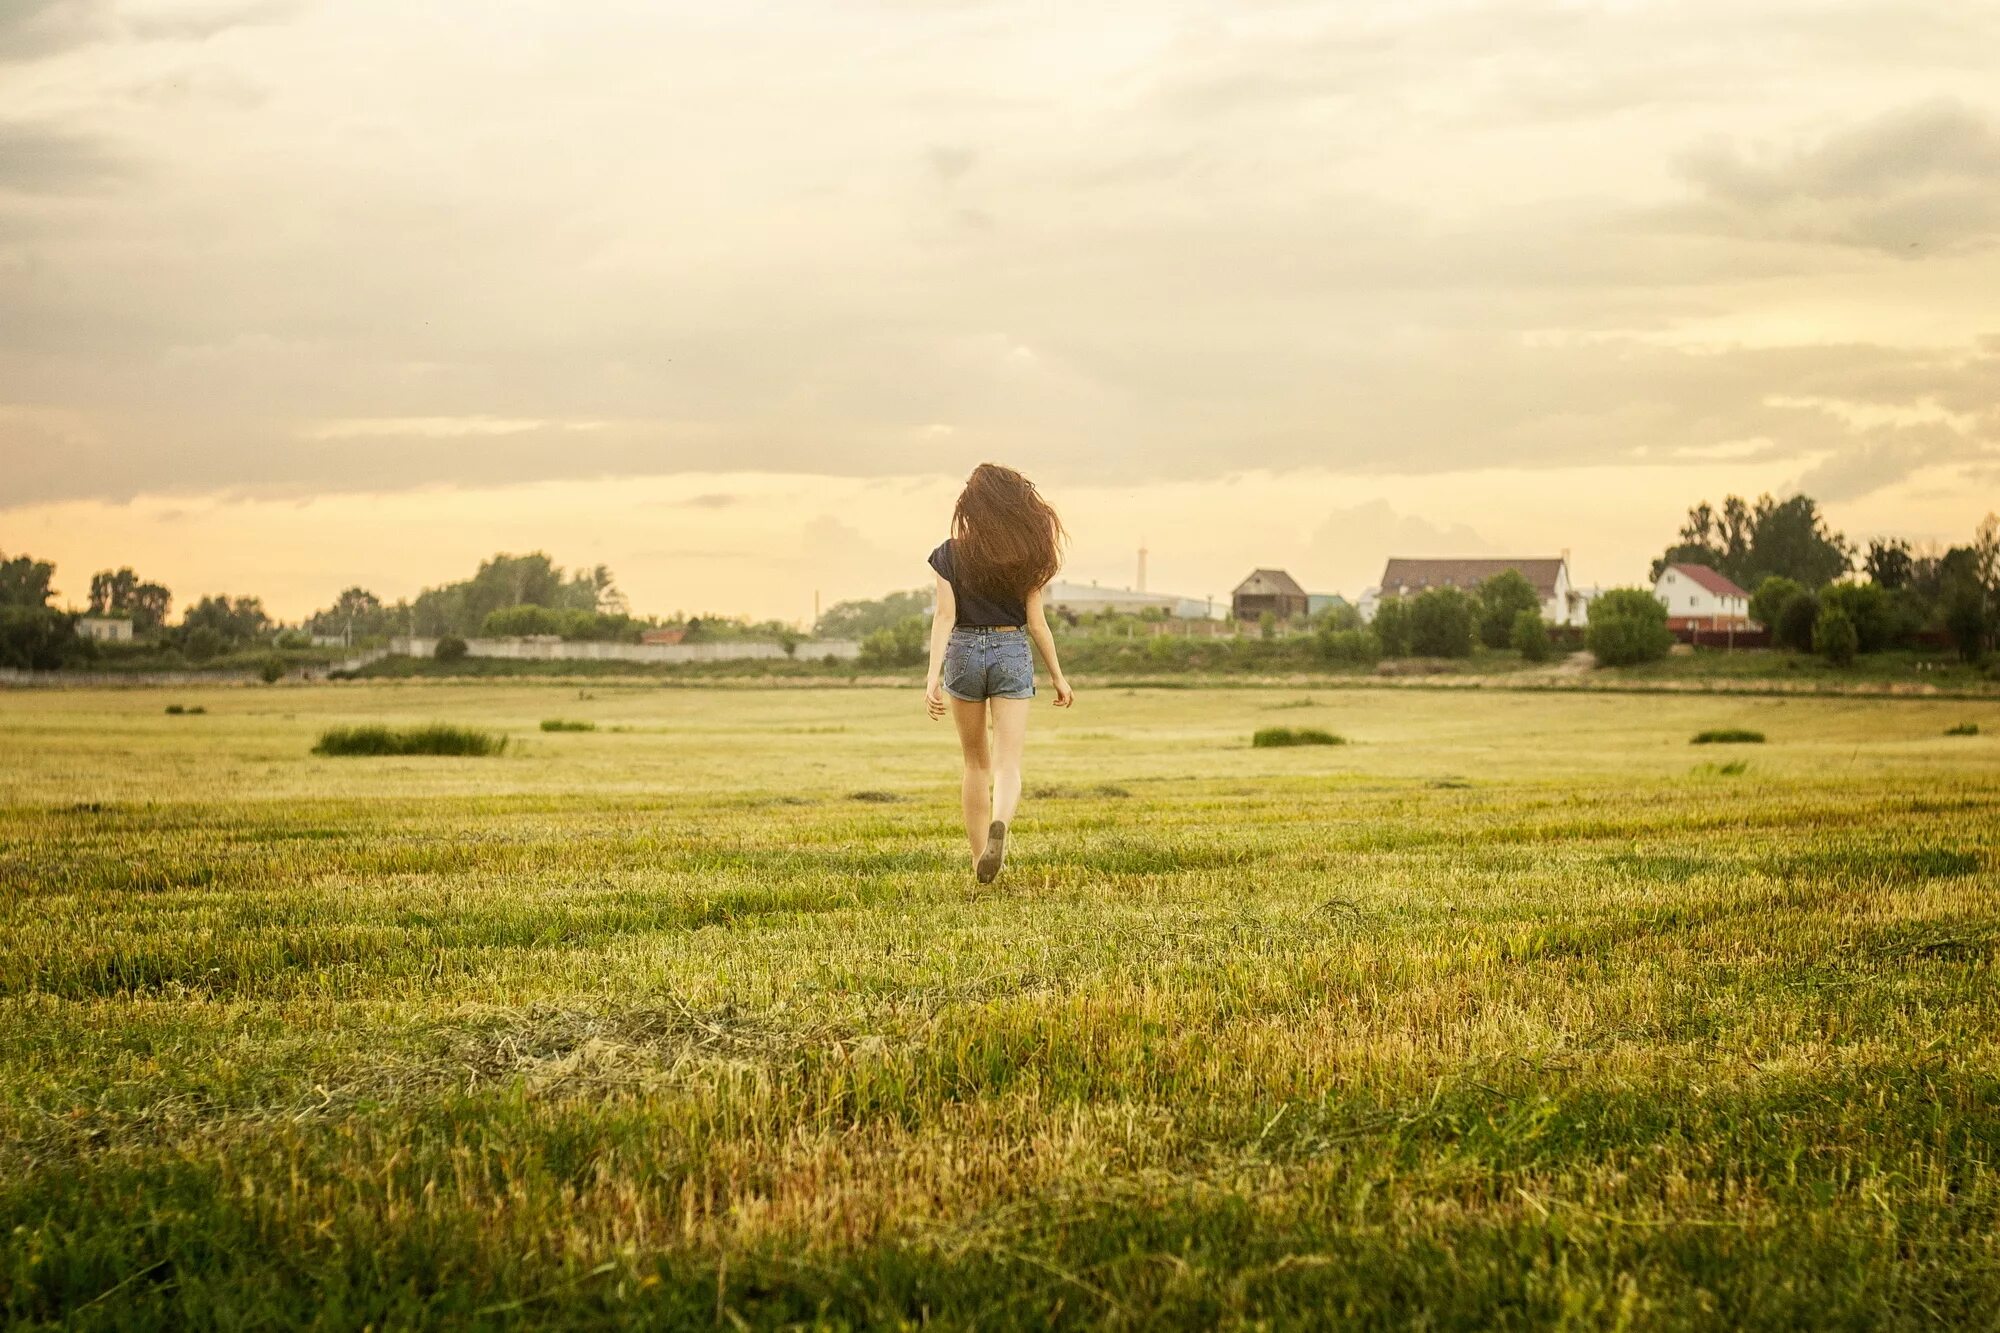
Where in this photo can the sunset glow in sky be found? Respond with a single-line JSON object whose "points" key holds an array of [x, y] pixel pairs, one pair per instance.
{"points": [[296, 295]]}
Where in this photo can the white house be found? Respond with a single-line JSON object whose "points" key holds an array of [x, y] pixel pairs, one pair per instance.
{"points": [[1083, 598], [1701, 598], [1549, 576], [106, 629]]}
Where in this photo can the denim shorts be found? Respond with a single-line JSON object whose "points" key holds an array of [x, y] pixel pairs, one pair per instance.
{"points": [[989, 664]]}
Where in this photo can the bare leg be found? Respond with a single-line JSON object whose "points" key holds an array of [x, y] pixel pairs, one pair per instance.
{"points": [[1010, 737], [975, 789]]}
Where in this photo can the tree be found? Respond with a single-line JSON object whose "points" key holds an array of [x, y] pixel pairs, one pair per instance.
{"points": [[1986, 553], [24, 581], [513, 580], [1628, 626], [357, 613], [233, 622], [854, 619], [1501, 599], [1791, 538], [1768, 602], [121, 593], [1869, 610], [1966, 619], [450, 648], [1441, 623], [1267, 626], [1530, 636], [1888, 564], [1392, 626], [35, 637], [1748, 542], [1834, 636], [1794, 628], [902, 644]]}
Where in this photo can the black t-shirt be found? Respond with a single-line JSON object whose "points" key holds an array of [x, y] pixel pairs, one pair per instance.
{"points": [[972, 608]]}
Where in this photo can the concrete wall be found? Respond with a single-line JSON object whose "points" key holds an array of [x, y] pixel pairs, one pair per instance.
{"points": [[527, 650]]}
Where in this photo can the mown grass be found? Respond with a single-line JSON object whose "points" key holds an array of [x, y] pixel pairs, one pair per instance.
{"points": [[689, 1027], [1728, 736], [1265, 738], [437, 738]]}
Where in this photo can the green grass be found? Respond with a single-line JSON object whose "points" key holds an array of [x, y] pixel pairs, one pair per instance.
{"points": [[177, 710], [1728, 736], [437, 738], [560, 724], [1963, 729], [1499, 1018], [1267, 737]]}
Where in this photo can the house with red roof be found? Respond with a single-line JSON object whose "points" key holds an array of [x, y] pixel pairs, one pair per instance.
{"points": [[1562, 603], [1697, 597]]}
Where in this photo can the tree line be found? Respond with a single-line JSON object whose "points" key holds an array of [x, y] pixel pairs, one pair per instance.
{"points": [[507, 595], [1817, 592]]}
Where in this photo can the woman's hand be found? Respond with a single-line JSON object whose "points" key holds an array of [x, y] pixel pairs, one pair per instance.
{"points": [[1065, 696], [934, 697]]}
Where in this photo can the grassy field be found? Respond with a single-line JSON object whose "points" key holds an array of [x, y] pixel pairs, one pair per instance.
{"points": [[1516, 1010]]}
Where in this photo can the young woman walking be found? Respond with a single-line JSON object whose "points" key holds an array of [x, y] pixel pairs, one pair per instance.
{"points": [[1005, 546]]}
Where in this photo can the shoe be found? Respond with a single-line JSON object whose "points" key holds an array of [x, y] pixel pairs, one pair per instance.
{"points": [[995, 854]]}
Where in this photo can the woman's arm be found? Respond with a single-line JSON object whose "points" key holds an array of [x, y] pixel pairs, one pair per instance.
{"points": [[1038, 630], [942, 619]]}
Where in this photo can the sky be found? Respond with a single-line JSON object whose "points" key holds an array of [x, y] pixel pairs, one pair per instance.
{"points": [[299, 294]]}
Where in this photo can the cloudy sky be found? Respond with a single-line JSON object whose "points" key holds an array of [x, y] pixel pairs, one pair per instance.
{"points": [[300, 293]]}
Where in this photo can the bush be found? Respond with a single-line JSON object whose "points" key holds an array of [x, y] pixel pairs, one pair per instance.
{"points": [[1770, 598], [1267, 626], [1834, 636], [1441, 623], [1796, 619], [1392, 627], [903, 644], [1966, 621], [177, 710], [271, 670], [1869, 610], [519, 621], [35, 638], [1502, 599], [1354, 647], [1269, 737], [204, 642], [437, 738], [450, 648], [1530, 636], [1728, 736], [1963, 729], [559, 724], [1628, 626]]}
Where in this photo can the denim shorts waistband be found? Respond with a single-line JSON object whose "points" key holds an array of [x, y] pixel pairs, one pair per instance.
{"points": [[986, 629]]}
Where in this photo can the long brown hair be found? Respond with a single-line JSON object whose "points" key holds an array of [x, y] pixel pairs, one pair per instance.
{"points": [[1006, 539]]}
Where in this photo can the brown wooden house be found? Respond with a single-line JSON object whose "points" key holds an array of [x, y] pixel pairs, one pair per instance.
{"points": [[1270, 590]]}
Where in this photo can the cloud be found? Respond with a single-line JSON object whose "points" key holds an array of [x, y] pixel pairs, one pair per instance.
{"points": [[44, 159], [1348, 548], [34, 29], [1912, 181], [1890, 455], [30, 29]]}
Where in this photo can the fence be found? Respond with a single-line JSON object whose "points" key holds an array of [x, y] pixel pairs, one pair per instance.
{"points": [[534, 650]]}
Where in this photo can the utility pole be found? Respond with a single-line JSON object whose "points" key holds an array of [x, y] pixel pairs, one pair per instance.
{"points": [[1142, 564]]}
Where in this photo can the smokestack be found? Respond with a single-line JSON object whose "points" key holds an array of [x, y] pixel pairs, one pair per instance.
{"points": [[1142, 564]]}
